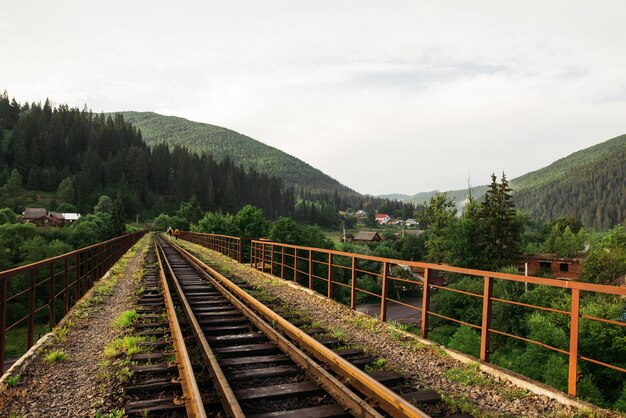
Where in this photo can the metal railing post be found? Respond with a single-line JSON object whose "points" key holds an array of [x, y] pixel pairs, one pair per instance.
{"points": [[66, 279], [282, 262], [263, 259], [295, 265], [486, 320], [77, 278], [330, 276], [353, 284], [272, 260], [425, 304], [53, 296], [310, 269], [383, 293], [31, 308], [573, 343]]}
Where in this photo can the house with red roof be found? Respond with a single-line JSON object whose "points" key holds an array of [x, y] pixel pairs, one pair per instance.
{"points": [[382, 218]]}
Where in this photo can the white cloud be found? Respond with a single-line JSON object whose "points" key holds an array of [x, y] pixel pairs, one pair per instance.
{"points": [[406, 96]]}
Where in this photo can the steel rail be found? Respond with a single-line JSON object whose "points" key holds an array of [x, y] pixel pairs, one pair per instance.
{"points": [[377, 393], [225, 392], [191, 393], [342, 394]]}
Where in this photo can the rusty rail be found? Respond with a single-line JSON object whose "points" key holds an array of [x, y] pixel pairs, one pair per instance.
{"points": [[191, 394], [54, 284], [329, 271], [263, 316]]}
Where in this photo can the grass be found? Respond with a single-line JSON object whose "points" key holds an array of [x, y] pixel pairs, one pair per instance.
{"points": [[581, 413], [128, 345], [56, 356], [376, 365], [514, 393], [462, 405], [116, 413], [368, 324], [468, 376], [12, 381], [339, 333], [125, 319], [60, 333]]}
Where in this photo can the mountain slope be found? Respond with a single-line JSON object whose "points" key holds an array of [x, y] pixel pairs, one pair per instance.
{"points": [[243, 150], [567, 166], [589, 184]]}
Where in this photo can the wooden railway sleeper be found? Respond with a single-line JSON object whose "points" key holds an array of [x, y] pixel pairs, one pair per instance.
{"points": [[389, 401], [348, 399]]}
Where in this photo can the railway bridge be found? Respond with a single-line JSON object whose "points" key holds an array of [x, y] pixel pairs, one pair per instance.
{"points": [[214, 325]]}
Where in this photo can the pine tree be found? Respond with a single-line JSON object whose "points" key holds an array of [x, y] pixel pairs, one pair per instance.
{"points": [[502, 231], [66, 190], [117, 217]]}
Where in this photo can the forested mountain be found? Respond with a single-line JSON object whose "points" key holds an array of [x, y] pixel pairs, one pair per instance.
{"points": [[242, 150], [589, 185], [65, 156], [96, 155]]}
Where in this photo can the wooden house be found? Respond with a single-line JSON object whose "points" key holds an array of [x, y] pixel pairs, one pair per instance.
{"points": [[367, 236], [39, 217]]}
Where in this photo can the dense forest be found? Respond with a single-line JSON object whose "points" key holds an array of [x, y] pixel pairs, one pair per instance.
{"points": [[78, 157], [590, 189], [245, 151], [107, 156]]}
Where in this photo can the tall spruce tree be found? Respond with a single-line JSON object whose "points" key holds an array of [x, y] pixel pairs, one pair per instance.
{"points": [[502, 231], [440, 213], [117, 217]]}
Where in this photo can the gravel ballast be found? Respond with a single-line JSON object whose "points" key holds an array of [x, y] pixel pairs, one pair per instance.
{"points": [[73, 387]]}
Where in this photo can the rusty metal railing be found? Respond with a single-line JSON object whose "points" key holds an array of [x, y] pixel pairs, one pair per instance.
{"points": [[43, 292], [356, 277], [233, 247]]}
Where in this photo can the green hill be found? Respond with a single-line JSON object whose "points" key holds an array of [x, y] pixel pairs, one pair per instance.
{"points": [[566, 167], [242, 150], [589, 184]]}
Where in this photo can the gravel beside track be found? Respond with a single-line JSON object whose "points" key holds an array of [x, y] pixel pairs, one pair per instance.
{"points": [[72, 388], [424, 365]]}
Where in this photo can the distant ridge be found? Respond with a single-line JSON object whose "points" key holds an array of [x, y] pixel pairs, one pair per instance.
{"points": [[589, 184], [241, 149]]}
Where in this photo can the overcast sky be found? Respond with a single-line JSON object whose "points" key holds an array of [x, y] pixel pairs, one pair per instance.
{"points": [[396, 96]]}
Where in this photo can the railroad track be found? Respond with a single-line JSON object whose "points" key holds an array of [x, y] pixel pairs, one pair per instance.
{"points": [[260, 364]]}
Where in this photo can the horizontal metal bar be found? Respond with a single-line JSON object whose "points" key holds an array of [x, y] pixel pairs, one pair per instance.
{"points": [[526, 305]]}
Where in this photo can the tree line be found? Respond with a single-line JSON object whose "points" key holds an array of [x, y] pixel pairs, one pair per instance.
{"points": [[80, 156]]}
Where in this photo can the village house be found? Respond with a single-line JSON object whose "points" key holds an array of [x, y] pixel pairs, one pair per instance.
{"points": [[561, 268], [66, 217], [367, 236], [347, 237], [382, 218], [360, 214], [41, 217]]}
